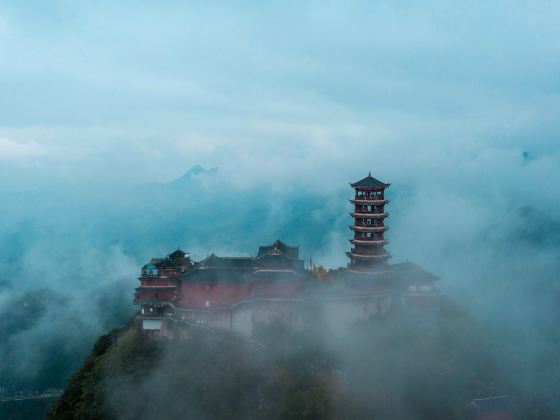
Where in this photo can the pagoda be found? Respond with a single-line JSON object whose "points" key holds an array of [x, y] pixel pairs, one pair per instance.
{"points": [[368, 254]]}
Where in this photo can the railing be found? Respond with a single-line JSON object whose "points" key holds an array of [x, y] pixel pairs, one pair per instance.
{"points": [[364, 254], [368, 215], [147, 273], [361, 224], [371, 197], [161, 273], [375, 211]]}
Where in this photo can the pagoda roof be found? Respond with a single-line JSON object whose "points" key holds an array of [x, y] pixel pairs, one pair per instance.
{"points": [[279, 248], [370, 182]]}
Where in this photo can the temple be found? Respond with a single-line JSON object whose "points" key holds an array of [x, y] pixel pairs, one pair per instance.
{"points": [[237, 293]]}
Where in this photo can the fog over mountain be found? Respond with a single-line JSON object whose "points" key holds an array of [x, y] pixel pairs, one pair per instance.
{"points": [[104, 108]]}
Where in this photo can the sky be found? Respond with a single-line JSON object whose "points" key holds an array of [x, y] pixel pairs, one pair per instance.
{"points": [[293, 93], [456, 104]]}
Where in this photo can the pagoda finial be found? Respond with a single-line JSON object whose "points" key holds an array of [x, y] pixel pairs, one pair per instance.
{"points": [[369, 173]]}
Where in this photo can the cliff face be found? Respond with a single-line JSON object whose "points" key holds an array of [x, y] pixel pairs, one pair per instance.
{"points": [[403, 367]]}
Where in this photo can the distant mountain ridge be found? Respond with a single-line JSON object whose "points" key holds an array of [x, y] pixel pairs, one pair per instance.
{"points": [[197, 171]]}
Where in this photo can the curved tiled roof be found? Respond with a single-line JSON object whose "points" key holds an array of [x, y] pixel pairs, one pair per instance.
{"points": [[370, 182], [278, 248], [213, 261], [179, 253]]}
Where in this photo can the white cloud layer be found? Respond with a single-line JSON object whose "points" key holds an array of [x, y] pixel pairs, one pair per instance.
{"points": [[335, 88], [14, 150]]}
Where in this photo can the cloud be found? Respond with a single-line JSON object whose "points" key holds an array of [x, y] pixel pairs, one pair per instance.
{"points": [[257, 89], [14, 150], [459, 113]]}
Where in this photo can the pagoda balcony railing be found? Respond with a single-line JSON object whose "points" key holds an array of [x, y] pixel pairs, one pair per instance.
{"points": [[372, 201], [369, 215], [369, 197], [368, 228], [364, 209], [368, 241], [361, 252], [353, 254]]}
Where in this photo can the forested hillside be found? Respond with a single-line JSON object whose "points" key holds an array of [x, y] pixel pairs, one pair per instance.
{"points": [[402, 367]]}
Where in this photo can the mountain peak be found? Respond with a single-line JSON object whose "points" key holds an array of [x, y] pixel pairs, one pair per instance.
{"points": [[197, 171]]}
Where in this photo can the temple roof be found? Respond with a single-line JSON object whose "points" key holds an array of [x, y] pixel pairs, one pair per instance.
{"points": [[268, 274], [279, 248], [177, 254], [175, 259], [213, 261], [413, 272], [369, 182], [166, 262]]}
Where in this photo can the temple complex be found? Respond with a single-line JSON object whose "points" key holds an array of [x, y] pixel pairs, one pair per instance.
{"points": [[237, 293]]}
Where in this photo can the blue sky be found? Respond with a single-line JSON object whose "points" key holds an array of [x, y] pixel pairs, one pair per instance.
{"points": [[139, 91]]}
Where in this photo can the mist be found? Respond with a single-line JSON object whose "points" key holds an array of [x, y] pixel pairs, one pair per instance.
{"points": [[106, 113]]}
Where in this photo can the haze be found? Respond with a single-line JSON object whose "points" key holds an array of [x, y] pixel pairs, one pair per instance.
{"points": [[103, 106]]}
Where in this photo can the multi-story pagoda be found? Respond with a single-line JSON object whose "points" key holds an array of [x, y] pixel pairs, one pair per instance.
{"points": [[368, 254]]}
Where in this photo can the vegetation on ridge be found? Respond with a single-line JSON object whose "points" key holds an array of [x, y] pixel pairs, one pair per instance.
{"points": [[401, 367]]}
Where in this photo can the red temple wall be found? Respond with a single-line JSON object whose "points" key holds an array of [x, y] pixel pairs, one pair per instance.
{"points": [[157, 282], [167, 271], [278, 289], [210, 295], [153, 295]]}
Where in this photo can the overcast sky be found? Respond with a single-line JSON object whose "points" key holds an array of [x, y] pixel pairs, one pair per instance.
{"points": [[141, 91], [457, 104]]}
